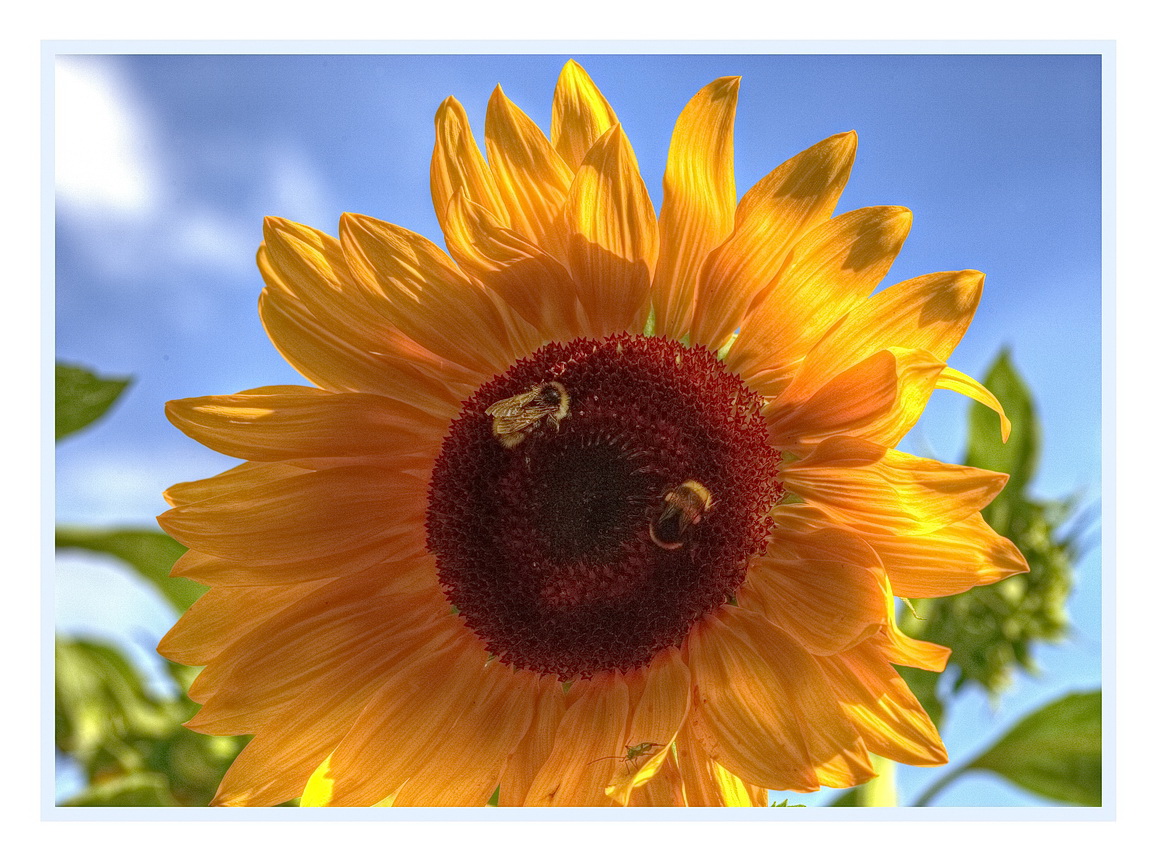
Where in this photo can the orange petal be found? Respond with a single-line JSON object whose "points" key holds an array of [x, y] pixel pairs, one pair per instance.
{"points": [[590, 736], [424, 294], [532, 178], [880, 490], [580, 115], [405, 543], [212, 622], [763, 709], [613, 239], [879, 399], [821, 588], [457, 166], [346, 622], [286, 422], [291, 743], [769, 220], [706, 783], [951, 560], [833, 267], [237, 478], [412, 714], [663, 790], [662, 704], [305, 517], [698, 201], [489, 726], [882, 707], [527, 759], [533, 283], [929, 313]]}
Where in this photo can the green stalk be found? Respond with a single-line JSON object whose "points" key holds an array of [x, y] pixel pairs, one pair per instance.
{"points": [[880, 792]]}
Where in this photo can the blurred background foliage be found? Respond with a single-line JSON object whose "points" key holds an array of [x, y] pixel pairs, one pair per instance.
{"points": [[132, 749], [127, 739]]}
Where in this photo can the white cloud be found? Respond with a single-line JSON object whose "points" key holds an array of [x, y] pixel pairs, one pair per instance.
{"points": [[136, 202], [208, 238], [297, 190], [104, 143]]}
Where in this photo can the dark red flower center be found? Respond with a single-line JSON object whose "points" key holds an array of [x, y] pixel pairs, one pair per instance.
{"points": [[593, 502]]}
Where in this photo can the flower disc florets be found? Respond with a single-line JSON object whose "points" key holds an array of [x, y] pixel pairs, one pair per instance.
{"points": [[609, 498]]}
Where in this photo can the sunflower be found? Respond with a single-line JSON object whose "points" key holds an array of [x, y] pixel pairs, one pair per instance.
{"points": [[601, 507]]}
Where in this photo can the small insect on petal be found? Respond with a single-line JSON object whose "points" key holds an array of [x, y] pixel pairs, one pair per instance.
{"points": [[633, 752]]}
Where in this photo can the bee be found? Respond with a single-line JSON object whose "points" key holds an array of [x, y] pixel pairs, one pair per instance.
{"points": [[517, 416], [683, 508], [633, 752]]}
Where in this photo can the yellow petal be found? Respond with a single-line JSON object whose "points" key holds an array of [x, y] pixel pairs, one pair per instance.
{"points": [[882, 707], [959, 382], [457, 166], [898, 648], [833, 267], [698, 201], [769, 220], [424, 294], [287, 422], [590, 737], [929, 313], [613, 236], [879, 490], [580, 115], [951, 560], [532, 178], [763, 709], [324, 356], [821, 588], [532, 282], [327, 326], [909, 652], [879, 399]]}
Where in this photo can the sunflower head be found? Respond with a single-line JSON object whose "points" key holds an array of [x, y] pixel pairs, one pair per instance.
{"points": [[602, 506]]}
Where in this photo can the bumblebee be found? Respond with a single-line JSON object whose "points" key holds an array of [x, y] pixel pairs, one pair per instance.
{"points": [[517, 416], [683, 508]]}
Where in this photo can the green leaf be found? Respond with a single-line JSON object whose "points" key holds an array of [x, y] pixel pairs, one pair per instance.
{"points": [[150, 552], [1019, 456], [100, 701], [852, 798], [139, 790], [82, 397], [1054, 752]]}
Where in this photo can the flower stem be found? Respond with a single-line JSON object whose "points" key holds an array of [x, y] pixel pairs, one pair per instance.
{"points": [[880, 792]]}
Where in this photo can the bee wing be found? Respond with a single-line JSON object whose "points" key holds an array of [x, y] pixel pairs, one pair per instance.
{"points": [[516, 420], [511, 406]]}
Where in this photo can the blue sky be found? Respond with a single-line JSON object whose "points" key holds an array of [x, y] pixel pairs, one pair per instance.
{"points": [[166, 165]]}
